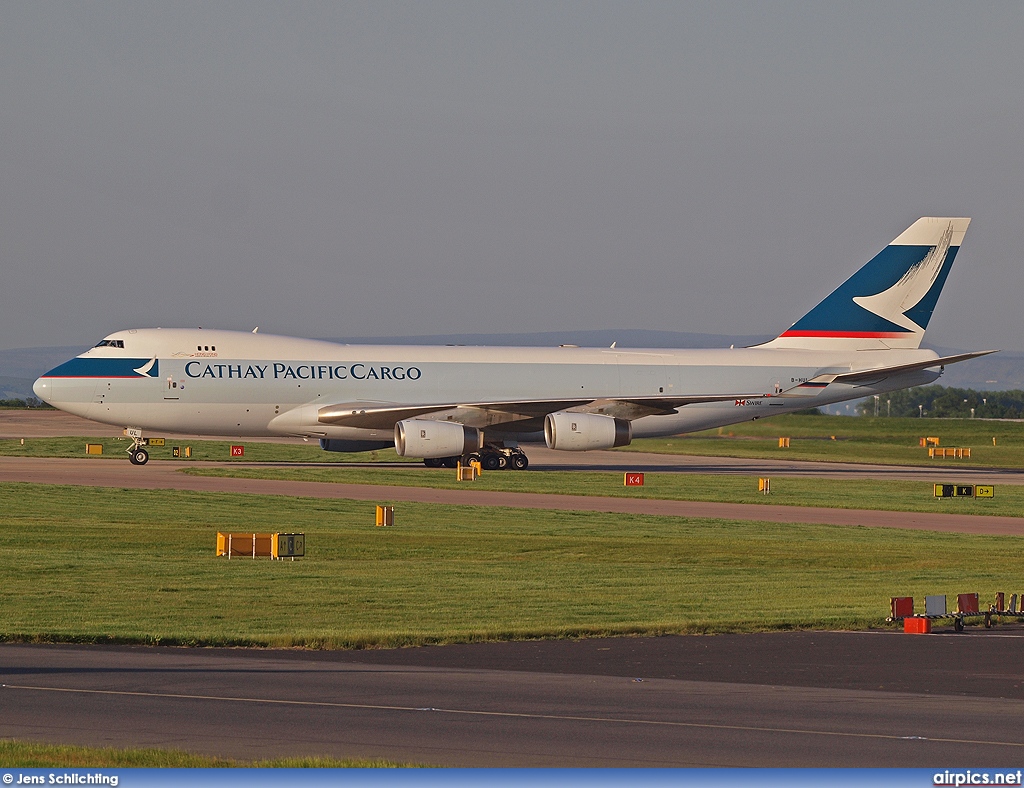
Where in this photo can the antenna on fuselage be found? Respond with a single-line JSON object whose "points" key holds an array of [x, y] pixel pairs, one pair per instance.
{"points": [[256, 329]]}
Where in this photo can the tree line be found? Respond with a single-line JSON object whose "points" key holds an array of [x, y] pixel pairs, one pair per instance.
{"points": [[28, 402], [940, 402]]}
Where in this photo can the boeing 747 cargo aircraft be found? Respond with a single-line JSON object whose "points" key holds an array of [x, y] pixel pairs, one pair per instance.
{"points": [[445, 403]]}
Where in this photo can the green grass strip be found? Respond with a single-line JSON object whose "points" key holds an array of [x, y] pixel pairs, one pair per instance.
{"points": [[28, 755], [105, 565], [879, 441]]}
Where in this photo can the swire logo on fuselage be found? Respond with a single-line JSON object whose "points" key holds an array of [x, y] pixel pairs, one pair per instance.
{"points": [[281, 371]]}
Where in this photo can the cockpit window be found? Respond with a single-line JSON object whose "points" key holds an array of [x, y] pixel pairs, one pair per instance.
{"points": [[111, 343]]}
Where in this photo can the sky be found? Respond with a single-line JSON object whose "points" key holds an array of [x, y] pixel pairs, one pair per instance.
{"points": [[411, 168]]}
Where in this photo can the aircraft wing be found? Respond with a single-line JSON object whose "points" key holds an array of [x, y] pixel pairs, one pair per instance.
{"points": [[382, 415], [815, 384]]}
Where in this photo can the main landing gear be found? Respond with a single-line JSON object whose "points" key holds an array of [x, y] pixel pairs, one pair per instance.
{"points": [[491, 458], [136, 454]]}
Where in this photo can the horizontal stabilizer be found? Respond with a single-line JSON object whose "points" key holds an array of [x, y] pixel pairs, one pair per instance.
{"points": [[813, 386], [872, 374]]}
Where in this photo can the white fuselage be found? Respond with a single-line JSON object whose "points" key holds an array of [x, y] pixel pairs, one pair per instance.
{"points": [[212, 382]]}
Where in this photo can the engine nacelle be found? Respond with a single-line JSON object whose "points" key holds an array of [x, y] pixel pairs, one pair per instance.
{"points": [[568, 431], [429, 439]]}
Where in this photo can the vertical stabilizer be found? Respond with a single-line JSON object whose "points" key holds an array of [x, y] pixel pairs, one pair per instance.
{"points": [[888, 302]]}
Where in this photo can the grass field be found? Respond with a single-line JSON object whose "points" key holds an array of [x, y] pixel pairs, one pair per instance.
{"points": [[88, 564], [897, 496], [29, 755], [871, 440]]}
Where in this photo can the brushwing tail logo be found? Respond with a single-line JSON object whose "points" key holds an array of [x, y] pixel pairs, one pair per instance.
{"points": [[893, 303], [144, 370]]}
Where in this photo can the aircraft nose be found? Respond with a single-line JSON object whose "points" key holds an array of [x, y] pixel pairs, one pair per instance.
{"points": [[42, 389]]}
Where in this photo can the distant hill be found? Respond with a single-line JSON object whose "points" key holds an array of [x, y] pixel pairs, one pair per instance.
{"points": [[999, 372], [16, 388], [19, 368]]}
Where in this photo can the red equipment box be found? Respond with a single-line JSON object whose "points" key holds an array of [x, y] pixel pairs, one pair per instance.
{"points": [[902, 606], [917, 625]]}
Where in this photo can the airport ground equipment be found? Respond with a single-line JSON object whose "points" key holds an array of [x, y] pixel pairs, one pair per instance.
{"points": [[385, 516], [253, 545], [468, 473], [958, 454], [964, 491], [901, 608], [94, 448]]}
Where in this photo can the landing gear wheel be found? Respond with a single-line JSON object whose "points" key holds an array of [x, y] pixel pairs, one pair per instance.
{"points": [[958, 624], [138, 457], [502, 462], [434, 462], [490, 462], [519, 462], [451, 462]]}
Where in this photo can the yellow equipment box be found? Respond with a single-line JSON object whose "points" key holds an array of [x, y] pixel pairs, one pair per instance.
{"points": [[248, 545]]}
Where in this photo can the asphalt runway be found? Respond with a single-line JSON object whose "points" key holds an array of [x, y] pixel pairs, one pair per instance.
{"points": [[780, 699]]}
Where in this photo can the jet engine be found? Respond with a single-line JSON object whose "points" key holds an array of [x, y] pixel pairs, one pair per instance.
{"points": [[428, 439], [569, 431]]}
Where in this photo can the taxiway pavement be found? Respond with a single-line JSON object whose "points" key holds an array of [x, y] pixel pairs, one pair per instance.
{"points": [[779, 699]]}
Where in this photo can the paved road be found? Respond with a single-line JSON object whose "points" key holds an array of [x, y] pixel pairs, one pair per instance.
{"points": [[783, 699]]}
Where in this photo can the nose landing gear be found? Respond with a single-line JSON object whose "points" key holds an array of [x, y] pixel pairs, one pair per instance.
{"points": [[136, 454]]}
